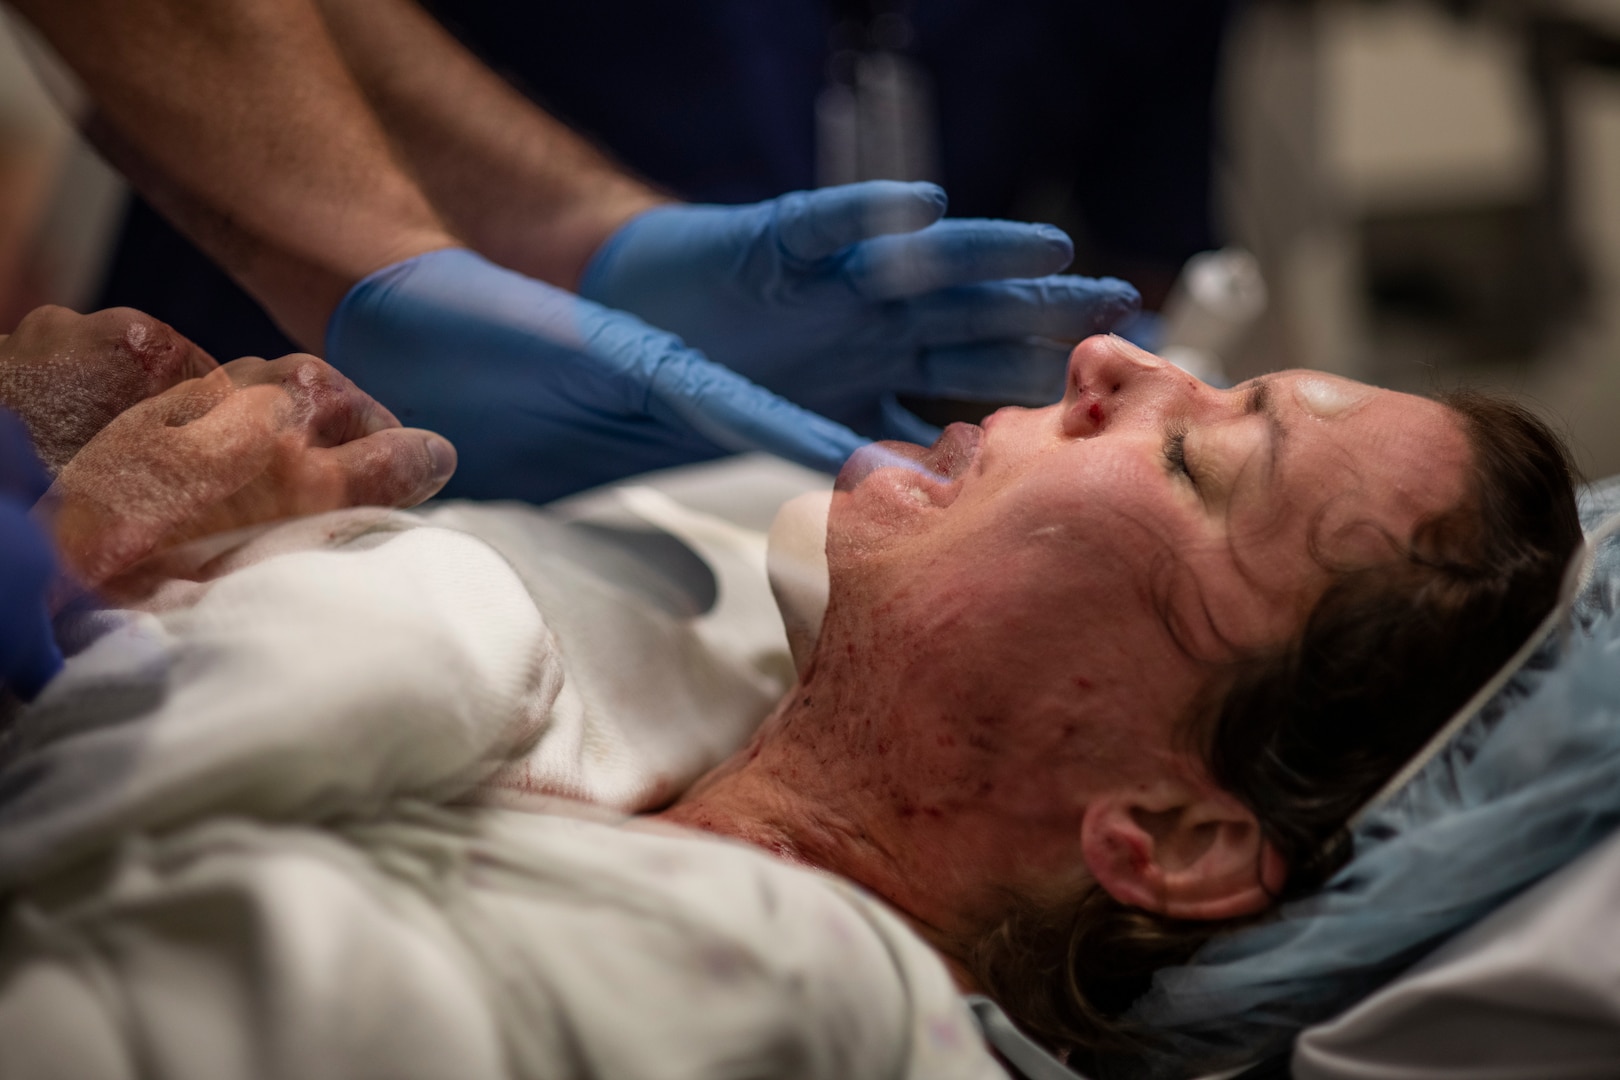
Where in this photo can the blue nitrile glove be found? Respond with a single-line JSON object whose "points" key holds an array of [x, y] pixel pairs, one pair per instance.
{"points": [[545, 394], [839, 297], [29, 656]]}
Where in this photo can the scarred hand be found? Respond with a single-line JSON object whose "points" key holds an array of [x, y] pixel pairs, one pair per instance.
{"points": [[67, 375], [250, 442]]}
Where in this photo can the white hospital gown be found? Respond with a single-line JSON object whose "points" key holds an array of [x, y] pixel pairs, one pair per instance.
{"points": [[251, 836]]}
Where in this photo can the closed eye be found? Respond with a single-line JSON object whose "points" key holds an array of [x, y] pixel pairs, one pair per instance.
{"points": [[1175, 453]]}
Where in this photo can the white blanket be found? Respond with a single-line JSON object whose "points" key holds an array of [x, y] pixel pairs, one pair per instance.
{"points": [[250, 833]]}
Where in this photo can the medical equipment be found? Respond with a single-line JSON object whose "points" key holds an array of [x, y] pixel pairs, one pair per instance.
{"points": [[1216, 300], [877, 118]]}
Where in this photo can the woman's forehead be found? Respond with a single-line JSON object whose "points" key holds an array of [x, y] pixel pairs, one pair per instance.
{"points": [[1357, 470], [1305, 440], [1406, 454]]}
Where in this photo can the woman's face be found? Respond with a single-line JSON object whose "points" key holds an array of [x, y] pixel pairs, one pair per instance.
{"points": [[1085, 563]]}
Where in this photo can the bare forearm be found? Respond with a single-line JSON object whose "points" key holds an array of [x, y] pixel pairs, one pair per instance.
{"points": [[240, 122], [515, 183]]}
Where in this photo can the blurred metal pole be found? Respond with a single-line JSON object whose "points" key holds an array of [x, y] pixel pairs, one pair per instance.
{"points": [[876, 119], [1554, 48]]}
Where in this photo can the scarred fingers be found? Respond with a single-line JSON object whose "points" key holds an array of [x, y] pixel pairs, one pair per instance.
{"points": [[321, 401], [67, 375], [400, 467]]}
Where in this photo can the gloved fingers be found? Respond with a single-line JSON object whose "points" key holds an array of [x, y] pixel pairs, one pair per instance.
{"points": [[1029, 372], [955, 252], [811, 225], [1061, 307], [397, 467], [689, 391]]}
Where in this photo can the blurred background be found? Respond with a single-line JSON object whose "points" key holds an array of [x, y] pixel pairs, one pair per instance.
{"points": [[1431, 190]]}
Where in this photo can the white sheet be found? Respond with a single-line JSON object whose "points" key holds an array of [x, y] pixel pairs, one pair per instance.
{"points": [[241, 841], [401, 661]]}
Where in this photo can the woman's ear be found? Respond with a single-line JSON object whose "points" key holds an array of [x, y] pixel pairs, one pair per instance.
{"points": [[1187, 851]]}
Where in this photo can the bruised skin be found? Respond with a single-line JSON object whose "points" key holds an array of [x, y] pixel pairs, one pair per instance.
{"points": [[251, 442], [67, 375], [995, 707], [153, 443]]}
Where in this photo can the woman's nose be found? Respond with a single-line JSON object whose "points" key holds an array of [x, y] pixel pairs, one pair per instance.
{"points": [[1108, 375], [1104, 364]]}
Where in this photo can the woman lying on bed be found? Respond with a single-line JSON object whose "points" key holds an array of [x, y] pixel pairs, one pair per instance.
{"points": [[1117, 680], [1094, 682]]}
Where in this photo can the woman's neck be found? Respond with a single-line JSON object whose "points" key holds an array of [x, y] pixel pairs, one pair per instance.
{"points": [[786, 795], [774, 796]]}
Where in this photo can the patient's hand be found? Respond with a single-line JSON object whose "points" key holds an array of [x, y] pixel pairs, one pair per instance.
{"points": [[250, 442], [67, 375]]}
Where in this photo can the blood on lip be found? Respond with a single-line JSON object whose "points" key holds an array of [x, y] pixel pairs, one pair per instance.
{"points": [[1095, 412], [955, 450]]}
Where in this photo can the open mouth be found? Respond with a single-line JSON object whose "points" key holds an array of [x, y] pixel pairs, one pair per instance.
{"points": [[929, 475]]}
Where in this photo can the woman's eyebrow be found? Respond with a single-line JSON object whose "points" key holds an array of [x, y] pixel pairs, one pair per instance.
{"points": [[1259, 400]]}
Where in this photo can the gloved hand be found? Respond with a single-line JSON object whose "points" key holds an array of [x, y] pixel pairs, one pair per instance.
{"points": [[838, 297], [545, 394], [28, 652]]}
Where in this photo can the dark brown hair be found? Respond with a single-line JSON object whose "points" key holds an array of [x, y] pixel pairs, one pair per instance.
{"points": [[1305, 735]]}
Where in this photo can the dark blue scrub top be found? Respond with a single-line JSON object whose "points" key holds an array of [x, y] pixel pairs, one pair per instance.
{"points": [[1094, 115], [28, 652]]}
